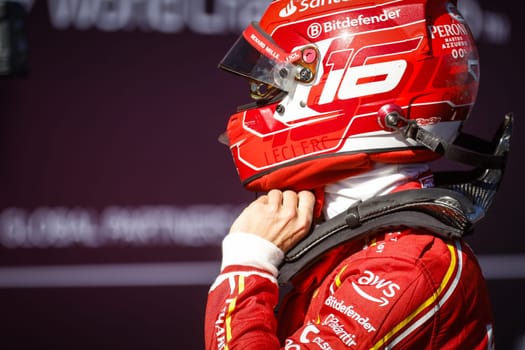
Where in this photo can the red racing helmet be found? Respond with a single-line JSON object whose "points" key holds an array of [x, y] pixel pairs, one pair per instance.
{"points": [[335, 84]]}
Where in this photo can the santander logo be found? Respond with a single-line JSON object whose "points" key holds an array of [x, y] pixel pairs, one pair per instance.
{"points": [[288, 10]]}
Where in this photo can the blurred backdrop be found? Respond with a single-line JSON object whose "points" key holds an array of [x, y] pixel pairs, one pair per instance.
{"points": [[115, 194]]}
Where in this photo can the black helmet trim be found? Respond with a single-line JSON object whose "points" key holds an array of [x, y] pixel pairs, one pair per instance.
{"points": [[467, 149]]}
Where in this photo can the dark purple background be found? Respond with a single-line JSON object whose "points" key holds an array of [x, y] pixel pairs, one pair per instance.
{"points": [[131, 119]]}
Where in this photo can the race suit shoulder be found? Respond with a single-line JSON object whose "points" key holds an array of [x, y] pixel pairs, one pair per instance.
{"points": [[403, 290]]}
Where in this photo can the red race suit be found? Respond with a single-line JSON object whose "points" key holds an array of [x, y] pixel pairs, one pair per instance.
{"points": [[400, 290]]}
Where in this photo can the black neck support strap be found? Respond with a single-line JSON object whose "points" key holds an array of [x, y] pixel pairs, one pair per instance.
{"points": [[450, 210], [440, 211]]}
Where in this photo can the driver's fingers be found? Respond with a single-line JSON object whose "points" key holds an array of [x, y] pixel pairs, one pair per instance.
{"points": [[290, 200], [306, 203], [275, 199]]}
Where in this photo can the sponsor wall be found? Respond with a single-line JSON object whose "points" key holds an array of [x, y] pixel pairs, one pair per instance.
{"points": [[115, 194]]}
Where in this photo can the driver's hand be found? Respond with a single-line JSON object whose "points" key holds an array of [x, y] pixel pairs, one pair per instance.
{"points": [[283, 218]]}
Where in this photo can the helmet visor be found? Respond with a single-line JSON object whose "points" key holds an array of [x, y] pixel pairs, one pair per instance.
{"points": [[256, 56]]}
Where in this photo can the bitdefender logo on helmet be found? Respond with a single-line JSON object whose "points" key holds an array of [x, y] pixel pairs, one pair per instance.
{"points": [[360, 20], [315, 29]]}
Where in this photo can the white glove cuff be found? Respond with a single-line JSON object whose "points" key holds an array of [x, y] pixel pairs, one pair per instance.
{"points": [[239, 248]]}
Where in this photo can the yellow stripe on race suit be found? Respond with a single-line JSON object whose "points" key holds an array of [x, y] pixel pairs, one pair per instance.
{"points": [[231, 308], [338, 277], [241, 284], [426, 303]]}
